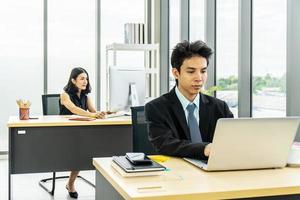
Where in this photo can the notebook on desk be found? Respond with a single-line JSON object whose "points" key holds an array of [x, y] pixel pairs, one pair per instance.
{"points": [[136, 174], [250, 143], [128, 167]]}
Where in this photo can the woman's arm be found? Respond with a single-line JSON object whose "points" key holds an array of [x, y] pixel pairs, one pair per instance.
{"points": [[66, 101], [92, 108], [90, 105]]}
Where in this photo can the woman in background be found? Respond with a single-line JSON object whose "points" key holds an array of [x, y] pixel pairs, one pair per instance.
{"points": [[75, 100]]}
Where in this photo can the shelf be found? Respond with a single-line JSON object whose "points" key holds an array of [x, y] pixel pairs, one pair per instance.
{"points": [[151, 71], [151, 68], [132, 47]]}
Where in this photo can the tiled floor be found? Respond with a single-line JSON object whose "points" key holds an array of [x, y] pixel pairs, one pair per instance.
{"points": [[25, 186]]}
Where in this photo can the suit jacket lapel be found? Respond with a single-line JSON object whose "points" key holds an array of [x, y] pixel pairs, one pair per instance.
{"points": [[179, 112], [204, 116]]}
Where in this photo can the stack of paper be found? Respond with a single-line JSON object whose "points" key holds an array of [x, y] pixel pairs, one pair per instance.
{"points": [[127, 169]]}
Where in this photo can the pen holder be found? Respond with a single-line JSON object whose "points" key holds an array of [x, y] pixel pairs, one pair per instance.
{"points": [[24, 113]]}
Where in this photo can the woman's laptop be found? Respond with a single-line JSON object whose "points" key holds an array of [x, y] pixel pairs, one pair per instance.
{"points": [[250, 143]]}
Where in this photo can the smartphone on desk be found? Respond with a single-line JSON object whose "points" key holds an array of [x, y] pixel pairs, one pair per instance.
{"points": [[138, 158]]}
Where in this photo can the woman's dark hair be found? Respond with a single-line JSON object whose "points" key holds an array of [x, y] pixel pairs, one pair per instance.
{"points": [[71, 88], [185, 50]]}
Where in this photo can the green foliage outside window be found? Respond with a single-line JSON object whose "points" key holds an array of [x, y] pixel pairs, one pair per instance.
{"points": [[259, 82], [210, 91]]}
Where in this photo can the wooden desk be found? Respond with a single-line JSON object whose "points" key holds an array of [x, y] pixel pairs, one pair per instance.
{"points": [[55, 143], [186, 182]]}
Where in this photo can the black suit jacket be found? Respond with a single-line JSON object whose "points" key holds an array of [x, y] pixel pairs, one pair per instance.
{"points": [[169, 131]]}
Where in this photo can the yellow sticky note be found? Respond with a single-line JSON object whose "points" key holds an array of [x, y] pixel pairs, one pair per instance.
{"points": [[159, 158]]}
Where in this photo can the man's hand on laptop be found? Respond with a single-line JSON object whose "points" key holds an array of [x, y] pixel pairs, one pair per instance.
{"points": [[207, 149]]}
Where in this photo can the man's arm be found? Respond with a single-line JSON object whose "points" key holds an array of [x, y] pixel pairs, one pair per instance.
{"points": [[164, 136], [227, 114]]}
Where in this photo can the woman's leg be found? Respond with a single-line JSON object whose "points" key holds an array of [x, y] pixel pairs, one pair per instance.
{"points": [[71, 181]]}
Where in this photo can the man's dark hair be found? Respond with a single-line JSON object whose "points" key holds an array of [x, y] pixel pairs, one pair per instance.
{"points": [[185, 50], [70, 88]]}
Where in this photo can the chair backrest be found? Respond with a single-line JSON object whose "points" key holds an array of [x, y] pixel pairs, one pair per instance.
{"points": [[50, 104], [141, 141]]}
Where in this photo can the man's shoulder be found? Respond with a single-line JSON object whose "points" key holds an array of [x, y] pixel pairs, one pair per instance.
{"points": [[212, 100], [162, 100]]}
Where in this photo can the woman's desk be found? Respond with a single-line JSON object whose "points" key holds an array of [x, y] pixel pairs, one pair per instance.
{"points": [[55, 143], [185, 181], [63, 120]]}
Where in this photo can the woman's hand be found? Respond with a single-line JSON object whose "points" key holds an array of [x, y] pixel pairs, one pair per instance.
{"points": [[99, 115]]}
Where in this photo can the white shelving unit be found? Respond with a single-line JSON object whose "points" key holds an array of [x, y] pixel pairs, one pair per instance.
{"points": [[151, 66]]}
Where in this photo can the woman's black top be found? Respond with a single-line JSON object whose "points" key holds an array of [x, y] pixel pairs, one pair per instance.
{"points": [[79, 102]]}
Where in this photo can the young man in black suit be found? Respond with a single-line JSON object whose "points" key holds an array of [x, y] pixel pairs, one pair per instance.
{"points": [[182, 122]]}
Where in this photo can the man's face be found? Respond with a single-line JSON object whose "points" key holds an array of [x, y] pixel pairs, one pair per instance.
{"points": [[192, 76]]}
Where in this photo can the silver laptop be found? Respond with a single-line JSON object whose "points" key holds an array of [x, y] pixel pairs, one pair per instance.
{"points": [[250, 143]]}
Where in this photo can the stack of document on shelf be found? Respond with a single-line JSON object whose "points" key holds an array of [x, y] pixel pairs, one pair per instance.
{"points": [[134, 33], [127, 169]]}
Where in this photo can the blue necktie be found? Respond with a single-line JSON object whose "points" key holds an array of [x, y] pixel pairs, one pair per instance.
{"points": [[193, 125]]}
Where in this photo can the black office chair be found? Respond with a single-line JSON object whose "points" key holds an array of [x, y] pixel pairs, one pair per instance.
{"points": [[140, 137], [50, 103]]}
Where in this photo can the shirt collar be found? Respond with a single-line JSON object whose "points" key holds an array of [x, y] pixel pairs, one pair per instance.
{"points": [[184, 101]]}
